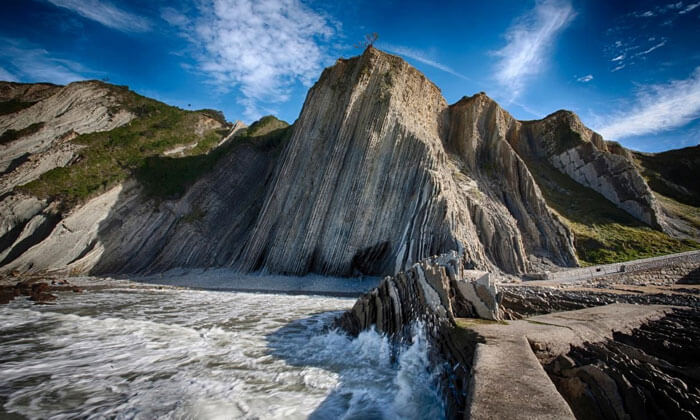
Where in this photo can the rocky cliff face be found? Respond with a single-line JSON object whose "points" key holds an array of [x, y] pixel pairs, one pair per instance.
{"points": [[563, 141], [369, 182], [377, 173], [53, 115]]}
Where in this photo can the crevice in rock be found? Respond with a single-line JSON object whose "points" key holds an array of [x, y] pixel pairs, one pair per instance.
{"points": [[651, 372], [39, 234]]}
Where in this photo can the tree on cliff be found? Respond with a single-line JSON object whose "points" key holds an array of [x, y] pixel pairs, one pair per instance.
{"points": [[369, 41]]}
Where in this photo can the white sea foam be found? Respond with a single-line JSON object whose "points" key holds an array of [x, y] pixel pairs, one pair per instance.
{"points": [[187, 354]]}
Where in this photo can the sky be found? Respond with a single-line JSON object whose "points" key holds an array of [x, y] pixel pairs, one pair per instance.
{"points": [[630, 70]]}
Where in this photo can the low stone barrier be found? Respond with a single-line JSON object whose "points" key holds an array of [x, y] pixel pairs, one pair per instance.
{"points": [[675, 268]]}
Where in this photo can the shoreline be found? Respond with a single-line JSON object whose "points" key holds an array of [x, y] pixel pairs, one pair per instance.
{"points": [[221, 280]]}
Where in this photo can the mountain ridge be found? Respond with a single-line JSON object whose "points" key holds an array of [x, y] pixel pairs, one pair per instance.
{"points": [[378, 172]]}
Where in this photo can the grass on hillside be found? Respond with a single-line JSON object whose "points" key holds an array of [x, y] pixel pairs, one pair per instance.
{"points": [[685, 212], [112, 156], [11, 135], [13, 105], [166, 177], [603, 233], [673, 173]]}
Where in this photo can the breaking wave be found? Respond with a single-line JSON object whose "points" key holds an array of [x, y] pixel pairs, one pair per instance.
{"points": [[185, 354]]}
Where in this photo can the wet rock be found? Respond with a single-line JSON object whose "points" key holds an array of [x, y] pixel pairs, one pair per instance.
{"points": [[7, 294], [522, 301], [42, 298], [651, 372], [434, 292]]}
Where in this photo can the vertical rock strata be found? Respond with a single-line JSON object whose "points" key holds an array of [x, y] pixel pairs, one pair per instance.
{"points": [[431, 294], [378, 173], [368, 183]]}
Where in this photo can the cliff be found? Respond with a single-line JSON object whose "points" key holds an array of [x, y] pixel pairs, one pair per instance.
{"points": [[378, 172]]}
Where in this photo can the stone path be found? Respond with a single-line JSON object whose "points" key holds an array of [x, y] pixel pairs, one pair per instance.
{"points": [[508, 380]]}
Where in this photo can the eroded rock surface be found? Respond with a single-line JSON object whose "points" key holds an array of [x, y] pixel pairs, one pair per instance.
{"points": [[56, 114], [376, 139], [650, 372], [564, 142], [432, 294], [377, 173]]}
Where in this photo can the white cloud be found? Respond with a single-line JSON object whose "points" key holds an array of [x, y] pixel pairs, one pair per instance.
{"points": [[421, 57], [106, 14], [618, 58], [6, 76], [529, 41], [585, 79], [173, 17], [260, 47], [618, 68], [650, 49], [33, 64], [658, 108], [689, 8]]}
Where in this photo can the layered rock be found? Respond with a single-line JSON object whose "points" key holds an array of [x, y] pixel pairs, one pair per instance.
{"points": [[56, 115], [431, 295], [433, 292], [511, 214], [369, 183], [563, 141], [378, 173], [650, 372], [123, 232]]}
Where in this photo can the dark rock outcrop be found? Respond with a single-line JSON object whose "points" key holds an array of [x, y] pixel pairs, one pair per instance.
{"points": [[652, 372], [433, 293], [524, 301]]}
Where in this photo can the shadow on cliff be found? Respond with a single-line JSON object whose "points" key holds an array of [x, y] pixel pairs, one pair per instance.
{"points": [[192, 211], [372, 381]]}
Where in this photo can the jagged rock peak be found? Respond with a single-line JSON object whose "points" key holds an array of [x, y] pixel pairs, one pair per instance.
{"points": [[367, 183]]}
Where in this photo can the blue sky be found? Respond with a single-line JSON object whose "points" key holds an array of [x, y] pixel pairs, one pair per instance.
{"points": [[631, 70]]}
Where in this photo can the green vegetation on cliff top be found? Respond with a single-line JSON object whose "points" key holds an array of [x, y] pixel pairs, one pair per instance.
{"points": [[13, 105], [112, 156], [674, 173], [167, 177], [603, 233]]}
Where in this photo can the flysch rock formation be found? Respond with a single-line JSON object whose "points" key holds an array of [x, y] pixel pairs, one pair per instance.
{"points": [[369, 182], [121, 232], [378, 173], [433, 291], [431, 294], [58, 114], [575, 150]]}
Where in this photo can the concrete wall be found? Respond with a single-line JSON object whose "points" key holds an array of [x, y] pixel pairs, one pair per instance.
{"points": [[683, 268]]}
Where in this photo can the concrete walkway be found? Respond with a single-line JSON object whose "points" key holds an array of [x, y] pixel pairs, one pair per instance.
{"points": [[508, 381]]}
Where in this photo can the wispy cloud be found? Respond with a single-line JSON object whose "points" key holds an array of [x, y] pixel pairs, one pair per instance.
{"points": [[106, 14], [420, 56], [260, 47], [585, 79], [658, 108], [689, 8], [650, 49], [6, 76], [33, 64], [529, 41]]}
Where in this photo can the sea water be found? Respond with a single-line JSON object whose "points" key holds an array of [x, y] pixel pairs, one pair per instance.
{"points": [[192, 354]]}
